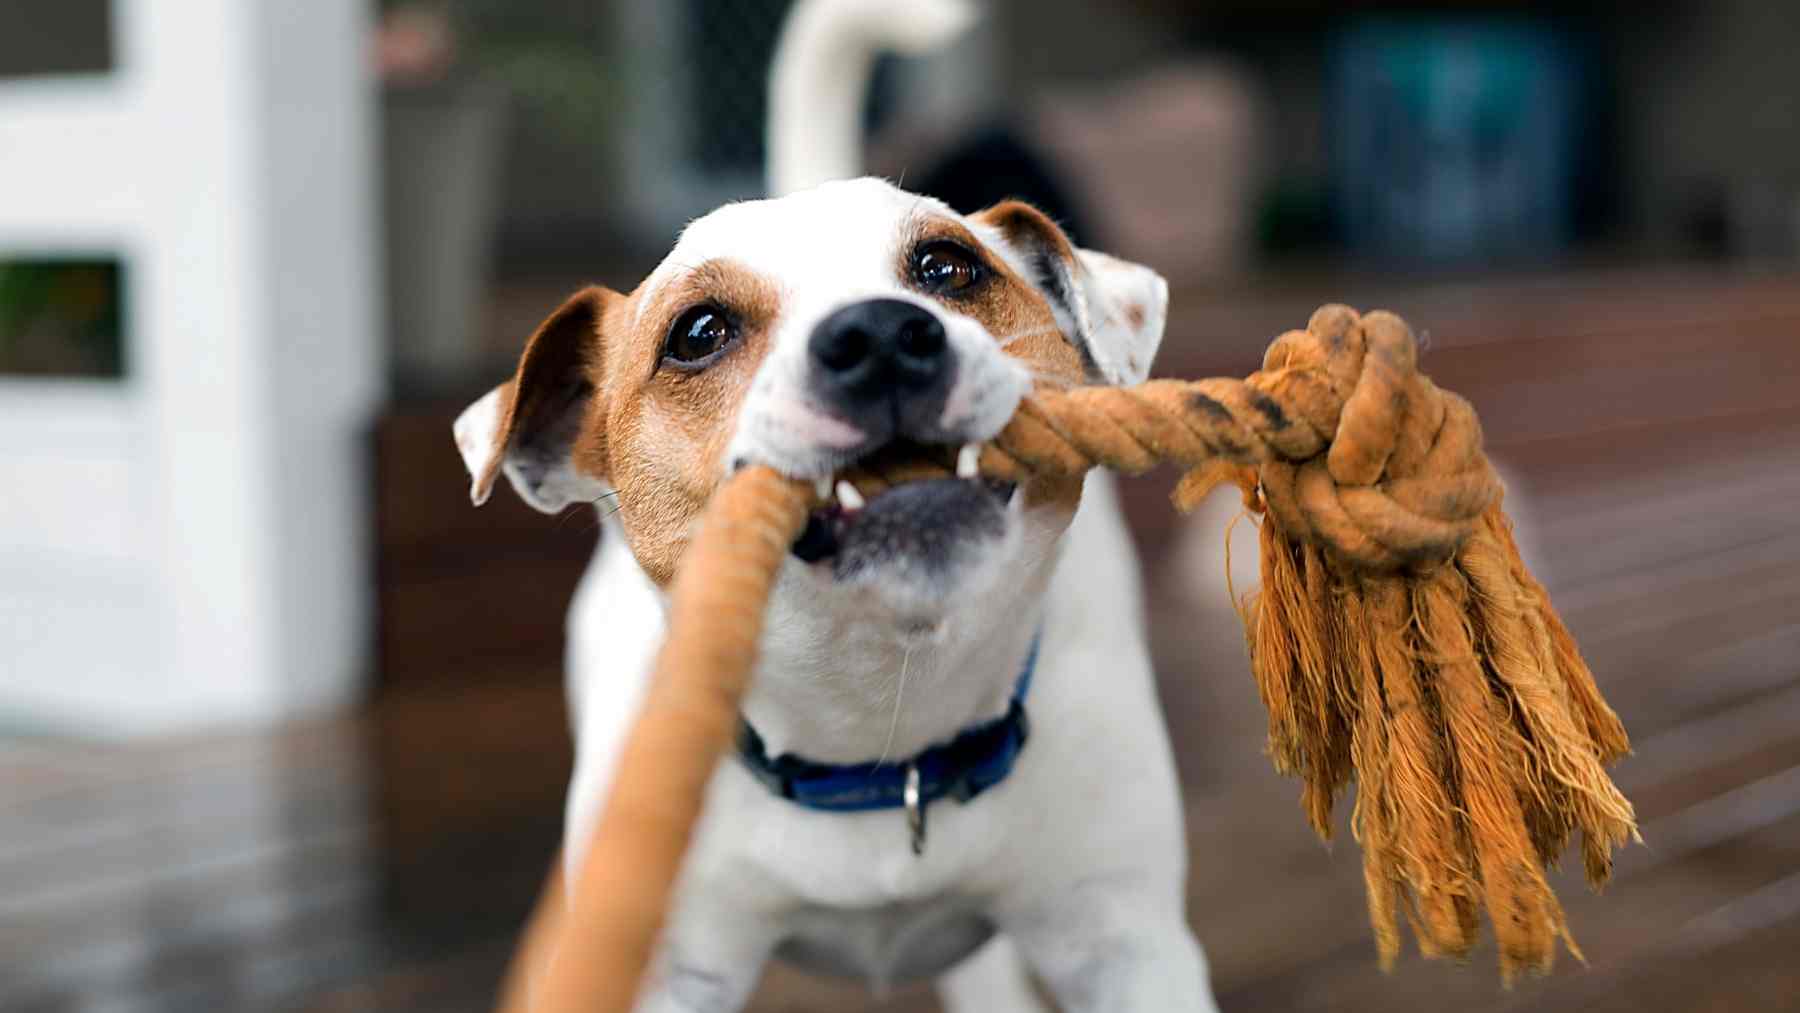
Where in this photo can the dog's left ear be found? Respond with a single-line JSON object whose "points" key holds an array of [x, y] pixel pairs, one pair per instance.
{"points": [[1111, 309], [533, 428]]}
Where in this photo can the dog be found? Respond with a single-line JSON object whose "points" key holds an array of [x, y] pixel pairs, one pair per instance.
{"points": [[951, 762]]}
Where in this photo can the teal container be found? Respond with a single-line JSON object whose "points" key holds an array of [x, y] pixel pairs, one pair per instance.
{"points": [[1455, 140]]}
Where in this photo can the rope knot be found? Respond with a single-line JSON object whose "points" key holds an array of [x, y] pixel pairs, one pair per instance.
{"points": [[1356, 450], [1402, 482]]}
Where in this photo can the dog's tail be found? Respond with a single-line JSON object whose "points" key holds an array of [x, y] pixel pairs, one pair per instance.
{"points": [[821, 70]]}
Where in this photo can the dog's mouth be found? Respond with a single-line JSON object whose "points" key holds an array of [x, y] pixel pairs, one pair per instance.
{"points": [[897, 505]]}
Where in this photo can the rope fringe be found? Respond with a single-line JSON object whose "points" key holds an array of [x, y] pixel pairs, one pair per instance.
{"points": [[1397, 637]]}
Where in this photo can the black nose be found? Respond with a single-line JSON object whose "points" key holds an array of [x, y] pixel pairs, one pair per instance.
{"points": [[884, 364]]}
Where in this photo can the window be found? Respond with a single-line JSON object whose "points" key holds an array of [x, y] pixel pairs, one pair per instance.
{"points": [[40, 38], [62, 316]]}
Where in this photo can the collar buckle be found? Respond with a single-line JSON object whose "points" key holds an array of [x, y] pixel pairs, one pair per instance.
{"points": [[914, 799]]}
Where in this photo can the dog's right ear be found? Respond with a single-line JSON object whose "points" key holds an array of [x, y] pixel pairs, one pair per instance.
{"points": [[532, 426], [1110, 309]]}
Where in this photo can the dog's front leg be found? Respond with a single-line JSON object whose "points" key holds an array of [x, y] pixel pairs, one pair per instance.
{"points": [[711, 957], [1114, 946]]}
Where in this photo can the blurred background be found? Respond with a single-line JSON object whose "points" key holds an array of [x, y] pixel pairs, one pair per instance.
{"points": [[281, 721]]}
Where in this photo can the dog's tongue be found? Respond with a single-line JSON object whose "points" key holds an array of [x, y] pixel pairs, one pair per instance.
{"points": [[926, 524]]}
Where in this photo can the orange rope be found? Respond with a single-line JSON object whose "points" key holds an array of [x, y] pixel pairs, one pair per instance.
{"points": [[589, 949]]}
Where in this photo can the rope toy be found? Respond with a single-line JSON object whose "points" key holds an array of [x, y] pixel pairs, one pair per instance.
{"points": [[1397, 637]]}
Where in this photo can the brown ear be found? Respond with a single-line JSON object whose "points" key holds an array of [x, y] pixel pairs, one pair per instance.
{"points": [[532, 426], [1039, 246], [1112, 310]]}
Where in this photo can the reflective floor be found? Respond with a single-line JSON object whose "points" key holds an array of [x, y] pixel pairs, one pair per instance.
{"points": [[1649, 427], [271, 871]]}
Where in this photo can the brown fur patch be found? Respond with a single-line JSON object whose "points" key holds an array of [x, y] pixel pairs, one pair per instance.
{"points": [[1018, 313], [669, 428]]}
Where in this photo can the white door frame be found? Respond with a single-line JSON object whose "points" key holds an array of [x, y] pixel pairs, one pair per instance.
{"points": [[189, 546]]}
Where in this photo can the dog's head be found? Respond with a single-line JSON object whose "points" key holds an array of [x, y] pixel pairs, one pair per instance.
{"points": [[843, 331]]}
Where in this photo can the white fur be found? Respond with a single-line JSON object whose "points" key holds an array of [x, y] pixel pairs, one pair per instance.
{"points": [[821, 69], [474, 430], [1111, 291]]}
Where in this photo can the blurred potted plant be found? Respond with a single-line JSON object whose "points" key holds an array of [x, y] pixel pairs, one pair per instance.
{"points": [[441, 137], [469, 87]]}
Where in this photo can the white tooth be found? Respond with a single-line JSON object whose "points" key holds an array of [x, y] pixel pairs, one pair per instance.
{"points": [[822, 485], [966, 460], [848, 497]]}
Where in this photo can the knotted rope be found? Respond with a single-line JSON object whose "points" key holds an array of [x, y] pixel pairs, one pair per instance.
{"points": [[1397, 636], [1354, 448]]}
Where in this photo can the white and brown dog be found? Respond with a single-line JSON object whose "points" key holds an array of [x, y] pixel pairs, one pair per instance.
{"points": [[891, 812]]}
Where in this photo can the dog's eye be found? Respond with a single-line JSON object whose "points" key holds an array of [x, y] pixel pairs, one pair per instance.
{"points": [[699, 335], [946, 268]]}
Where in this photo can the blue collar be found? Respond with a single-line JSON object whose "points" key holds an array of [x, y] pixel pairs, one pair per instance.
{"points": [[974, 761]]}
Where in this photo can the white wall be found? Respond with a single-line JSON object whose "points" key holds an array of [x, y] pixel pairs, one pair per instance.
{"points": [[188, 547]]}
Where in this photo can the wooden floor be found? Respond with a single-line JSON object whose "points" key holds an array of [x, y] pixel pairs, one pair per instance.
{"points": [[1649, 424]]}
